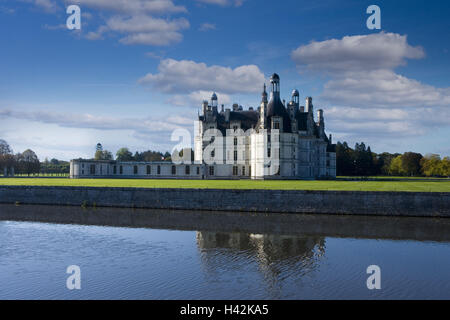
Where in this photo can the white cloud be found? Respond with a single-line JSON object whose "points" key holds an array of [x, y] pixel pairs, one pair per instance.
{"points": [[194, 99], [186, 76], [223, 3], [383, 89], [71, 135], [47, 5], [207, 27], [132, 6], [7, 10], [357, 53], [402, 121], [88, 121], [368, 97], [142, 29], [144, 22]]}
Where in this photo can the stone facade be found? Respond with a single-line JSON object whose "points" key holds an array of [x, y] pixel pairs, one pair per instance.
{"points": [[275, 141], [80, 168]]}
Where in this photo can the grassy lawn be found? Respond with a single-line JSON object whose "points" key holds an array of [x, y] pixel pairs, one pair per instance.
{"points": [[402, 185]]}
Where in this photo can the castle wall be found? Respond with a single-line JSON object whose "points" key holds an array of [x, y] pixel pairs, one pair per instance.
{"points": [[423, 204]]}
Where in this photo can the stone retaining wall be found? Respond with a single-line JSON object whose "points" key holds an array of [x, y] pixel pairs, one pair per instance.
{"points": [[431, 204]]}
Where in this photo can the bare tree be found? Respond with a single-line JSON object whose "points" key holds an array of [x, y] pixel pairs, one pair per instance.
{"points": [[5, 148], [28, 162]]}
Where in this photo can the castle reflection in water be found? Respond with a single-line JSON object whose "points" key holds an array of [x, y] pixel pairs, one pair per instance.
{"points": [[274, 254]]}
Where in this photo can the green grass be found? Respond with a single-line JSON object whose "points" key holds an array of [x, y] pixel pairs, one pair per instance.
{"points": [[402, 185], [393, 178]]}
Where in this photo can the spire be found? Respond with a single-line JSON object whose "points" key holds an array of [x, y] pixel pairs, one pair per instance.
{"points": [[264, 94]]}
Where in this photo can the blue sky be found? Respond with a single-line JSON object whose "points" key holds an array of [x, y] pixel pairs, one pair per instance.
{"points": [[139, 69]]}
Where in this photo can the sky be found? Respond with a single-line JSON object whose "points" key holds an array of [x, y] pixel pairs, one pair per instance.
{"points": [[138, 70]]}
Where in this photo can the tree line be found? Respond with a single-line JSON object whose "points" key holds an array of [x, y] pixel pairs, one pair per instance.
{"points": [[124, 154], [27, 163], [357, 161], [361, 161]]}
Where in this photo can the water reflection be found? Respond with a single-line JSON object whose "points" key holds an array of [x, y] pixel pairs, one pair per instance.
{"points": [[367, 227], [278, 257], [223, 255]]}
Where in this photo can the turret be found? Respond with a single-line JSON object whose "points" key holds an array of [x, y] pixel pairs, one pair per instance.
{"points": [[214, 100], [295, 98], [275, 82]]}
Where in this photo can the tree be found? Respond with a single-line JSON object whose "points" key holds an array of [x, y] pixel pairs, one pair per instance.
{"points": [[28, 162], [395, 167], [167, 156], [148, 155], [445, 167], [430, 165], [363, 160], [6, 157], [344, 159], [103, 155], [411, 163], [5, 148], [384, 162], [123, 154]]}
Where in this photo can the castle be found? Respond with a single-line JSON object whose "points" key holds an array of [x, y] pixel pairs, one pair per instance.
{"points": [[275, 141]]}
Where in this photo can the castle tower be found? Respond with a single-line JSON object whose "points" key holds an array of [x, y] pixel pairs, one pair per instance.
{"points": [[214, 100], [263, 108], [295, 99], [275, 92]]}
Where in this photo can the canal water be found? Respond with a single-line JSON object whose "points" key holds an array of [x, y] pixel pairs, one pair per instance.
{"points": [[162, 255]]}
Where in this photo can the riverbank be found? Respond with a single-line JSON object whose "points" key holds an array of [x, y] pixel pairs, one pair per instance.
{"points": [[412, 204]]}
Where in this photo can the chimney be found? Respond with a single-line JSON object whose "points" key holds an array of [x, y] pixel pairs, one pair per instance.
{"points": [[309, 105], [320, 116], [302, 109], [204, 107]]}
